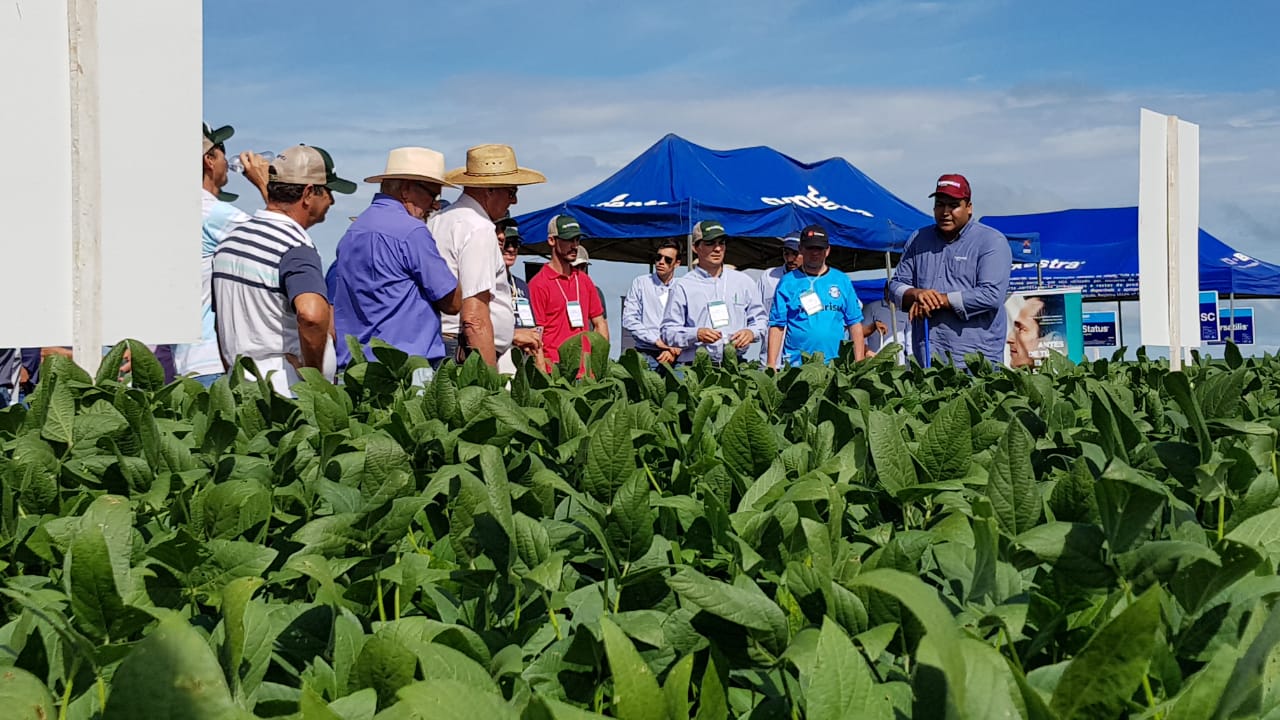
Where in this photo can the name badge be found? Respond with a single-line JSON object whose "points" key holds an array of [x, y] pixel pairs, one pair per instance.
{"points": [[575, 314], [811, 303], [719, 313], [524, 313]]}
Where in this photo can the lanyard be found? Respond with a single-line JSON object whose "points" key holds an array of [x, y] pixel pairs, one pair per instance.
{"points": [[577, 291], [511, 283]]}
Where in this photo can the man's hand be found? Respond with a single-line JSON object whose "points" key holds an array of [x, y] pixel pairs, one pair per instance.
{"points": [[742, 339], [257, 170], [668, 356], [880, 327], [924, 301], [528, 340], [708, 336]]}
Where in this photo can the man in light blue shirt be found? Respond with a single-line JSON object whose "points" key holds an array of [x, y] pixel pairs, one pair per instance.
{"points": [[646, 303], [954, 275], [712, 306]]}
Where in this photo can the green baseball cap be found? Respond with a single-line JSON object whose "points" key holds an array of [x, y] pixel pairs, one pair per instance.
{"points": [[216, 137], [565, 227], [708, 230], [307, 165]]}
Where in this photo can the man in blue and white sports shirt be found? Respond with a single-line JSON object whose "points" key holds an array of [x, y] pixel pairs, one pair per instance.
{"points": [[201, 359], [955, 275], [268, 288], [814, 307]]}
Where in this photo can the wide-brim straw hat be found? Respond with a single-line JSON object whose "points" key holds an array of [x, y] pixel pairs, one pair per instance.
{"points": [[493, 166], [413, 163]]}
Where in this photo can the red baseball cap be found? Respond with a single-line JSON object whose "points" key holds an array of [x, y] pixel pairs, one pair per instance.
{"points": [[953, 185]]}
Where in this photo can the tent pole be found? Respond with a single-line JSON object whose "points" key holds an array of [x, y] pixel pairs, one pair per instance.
{"points": [[893, 310], [1231, 326], [1119, 322]]}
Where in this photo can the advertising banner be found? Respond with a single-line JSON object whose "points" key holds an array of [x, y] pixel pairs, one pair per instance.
{"points": [[1237, 326], [1209, 326], [1043, 322], [1100, 329]]}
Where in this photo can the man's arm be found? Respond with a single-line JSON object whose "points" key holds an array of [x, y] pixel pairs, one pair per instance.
{"points": [[674, 330], [633, 315], [422, 261], [859, 342], [757, 322], [774, 346], [477, 326], [600, 325], [988, 294], [304, 284], [313, 312], [257, 170]]}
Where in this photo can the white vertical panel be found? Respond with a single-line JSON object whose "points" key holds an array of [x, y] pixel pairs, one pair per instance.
{"points": [[1154, 253], [35, 188], [151, 114], [1189, 232]]}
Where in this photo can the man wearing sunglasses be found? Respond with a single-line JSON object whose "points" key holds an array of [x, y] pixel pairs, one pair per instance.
{"points": [[509, 240], [712, 306], [646, 302], [268, 287], [389, 281]]}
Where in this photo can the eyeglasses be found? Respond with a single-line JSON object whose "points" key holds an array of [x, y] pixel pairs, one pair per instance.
{"points": [[660, 259], [510, 191], [431, 190], [511, 246]]}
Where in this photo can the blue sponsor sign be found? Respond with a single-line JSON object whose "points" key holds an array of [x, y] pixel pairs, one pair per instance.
{"points": [[1099, 329], [1210, 328], [1237, 326]]}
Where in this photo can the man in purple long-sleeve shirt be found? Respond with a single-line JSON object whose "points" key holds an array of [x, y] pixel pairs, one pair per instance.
{"points": [[955, 273]]}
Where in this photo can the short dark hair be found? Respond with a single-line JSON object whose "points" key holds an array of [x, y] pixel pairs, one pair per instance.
{"points": [[670, 243], [285, 193]]}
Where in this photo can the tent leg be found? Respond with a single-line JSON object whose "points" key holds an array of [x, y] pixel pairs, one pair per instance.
{"points": [[1231, 326], [893, 310], [1120, 323]]}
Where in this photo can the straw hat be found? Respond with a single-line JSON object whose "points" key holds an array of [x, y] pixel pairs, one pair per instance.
{"points": [[413, 163], [493, 166]]}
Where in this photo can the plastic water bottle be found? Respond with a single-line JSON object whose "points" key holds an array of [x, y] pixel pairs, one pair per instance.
{"points": [[234, 165]]}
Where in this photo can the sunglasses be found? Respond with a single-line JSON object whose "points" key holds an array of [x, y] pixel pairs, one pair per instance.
{"points": [[511, 246], [432, 190], [660, 259], [510, 191]]}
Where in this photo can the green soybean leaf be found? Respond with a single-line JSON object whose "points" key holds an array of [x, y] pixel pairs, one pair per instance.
{"points": [[171, 675], [732, 603], [841, 685], [1100, 679], [748, 442], [676, 689], [1203, 691], [23, 696], [610, 455], [1012, 483], [889, 451], [946, 448], [635, 689], [629, 525], [453, 699]]}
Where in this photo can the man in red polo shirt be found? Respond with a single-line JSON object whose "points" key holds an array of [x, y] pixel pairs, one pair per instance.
{"points": [[564, 299]]}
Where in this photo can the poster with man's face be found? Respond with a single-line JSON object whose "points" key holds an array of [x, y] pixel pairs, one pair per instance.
{"points": [[1037, 326]]}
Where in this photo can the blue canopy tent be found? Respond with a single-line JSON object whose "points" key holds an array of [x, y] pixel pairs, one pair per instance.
{"points": [[758, 193], [1097, 250]]}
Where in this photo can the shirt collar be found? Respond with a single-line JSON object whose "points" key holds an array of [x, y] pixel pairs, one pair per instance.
{"points": [[386, 201], [658, 281], [959, 235], [281, 218]]}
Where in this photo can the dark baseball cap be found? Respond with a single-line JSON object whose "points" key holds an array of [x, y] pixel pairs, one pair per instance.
{"points": [[953, 185], [565, 227], [708, 230], [814, 236]]}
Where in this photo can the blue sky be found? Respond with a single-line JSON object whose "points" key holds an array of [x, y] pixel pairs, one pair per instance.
{"points": [[1036, 102]]}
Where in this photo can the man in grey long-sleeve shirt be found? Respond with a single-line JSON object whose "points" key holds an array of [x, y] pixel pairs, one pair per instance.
{"points": [[712, 306], [955, 273]]}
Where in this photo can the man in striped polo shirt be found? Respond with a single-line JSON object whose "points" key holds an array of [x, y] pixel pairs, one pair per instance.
{"points": [[268, 286]]}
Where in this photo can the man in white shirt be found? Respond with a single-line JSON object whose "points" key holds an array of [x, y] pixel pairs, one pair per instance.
{"points": [[465, 235]]}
